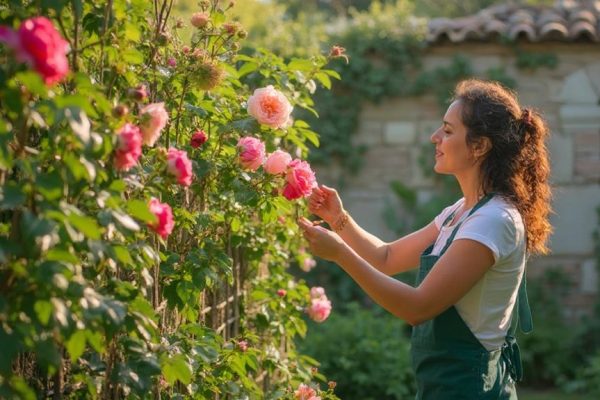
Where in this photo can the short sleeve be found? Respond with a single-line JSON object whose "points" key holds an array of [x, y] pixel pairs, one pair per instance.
{"points": [[494, 228], [441, 217]]}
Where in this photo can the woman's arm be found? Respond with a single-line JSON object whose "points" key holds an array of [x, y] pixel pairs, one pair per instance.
{"points": [[453, 275], [389, 258]]}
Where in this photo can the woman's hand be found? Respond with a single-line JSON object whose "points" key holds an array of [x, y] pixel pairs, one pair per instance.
{"points": [[322, 242], [326, 204]]}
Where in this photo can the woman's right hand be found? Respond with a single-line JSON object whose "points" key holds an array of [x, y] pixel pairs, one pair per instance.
{"points": [[326, 204]]}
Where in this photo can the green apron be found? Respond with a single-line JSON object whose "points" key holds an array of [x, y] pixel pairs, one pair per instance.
{"points": [[450, 362]]}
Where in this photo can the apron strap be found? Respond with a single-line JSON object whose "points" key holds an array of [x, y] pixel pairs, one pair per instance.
{"points": [[521, 316], [477, 206]]}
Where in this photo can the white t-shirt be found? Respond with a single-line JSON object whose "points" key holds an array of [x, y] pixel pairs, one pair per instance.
{"points": [[487, 307]]}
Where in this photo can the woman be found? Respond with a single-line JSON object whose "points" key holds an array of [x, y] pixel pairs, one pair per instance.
{"points": [[471, 257]]}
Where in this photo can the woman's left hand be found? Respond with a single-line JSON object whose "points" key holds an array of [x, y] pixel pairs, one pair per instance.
{"points": [[322, 242]]}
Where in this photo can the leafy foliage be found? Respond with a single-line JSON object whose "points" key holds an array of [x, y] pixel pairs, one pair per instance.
{"points": [[92, 302]]}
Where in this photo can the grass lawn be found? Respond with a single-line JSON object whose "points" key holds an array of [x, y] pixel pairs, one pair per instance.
{"points": [[528, 394]]}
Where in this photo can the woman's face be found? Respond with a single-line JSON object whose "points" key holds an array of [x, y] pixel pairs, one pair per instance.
{"points": [[452, 155]]}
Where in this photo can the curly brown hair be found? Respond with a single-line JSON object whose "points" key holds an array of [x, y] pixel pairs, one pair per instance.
{"points": [[517, 166]]}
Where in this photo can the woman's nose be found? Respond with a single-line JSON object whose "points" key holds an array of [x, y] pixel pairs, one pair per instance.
{"points": [[434, 136]]}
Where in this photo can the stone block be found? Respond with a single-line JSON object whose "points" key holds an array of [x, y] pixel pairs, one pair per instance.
{"points": [[578, 89], [589, 276], [574, 219], [398, 132], [580, 114], [369, 132], [561, 158]]}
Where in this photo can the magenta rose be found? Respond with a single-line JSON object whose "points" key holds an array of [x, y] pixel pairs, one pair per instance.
{"points": [[198, 139], [165, 223], [300, 180], [153, 117], [129, 147], [251, 152], [305, 392], [180, 166], [39, 44], [270, 107], [277, 162]]}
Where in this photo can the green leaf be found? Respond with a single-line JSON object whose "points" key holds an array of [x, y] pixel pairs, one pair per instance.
{"points": [[324, 79], [6, 160], [140, 210], [50, 185], [11, 196], [86, 225], [33, 82], [122, 254], [199, 111], [132, 56], [76, 344], [298, 64], [176, 368], [43, 310]]}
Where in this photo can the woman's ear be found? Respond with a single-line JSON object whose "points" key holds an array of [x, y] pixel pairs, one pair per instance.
{"points": [[481, 147]]}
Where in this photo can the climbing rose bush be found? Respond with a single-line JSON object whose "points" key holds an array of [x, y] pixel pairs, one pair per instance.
{"points": [[118, 235]]}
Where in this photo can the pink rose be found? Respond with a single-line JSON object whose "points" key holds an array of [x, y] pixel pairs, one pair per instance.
{"points": [[277, 162], [300, 180], [319, 309], [172, 62], [154, 117], [165, 223], [40, 45], [198, 139], [199, 19], [243, 345], [317, 292], [180, 166], [129, 147], [252, 152], [308, 264], [281, 292], [270, 107], [305, 392]]}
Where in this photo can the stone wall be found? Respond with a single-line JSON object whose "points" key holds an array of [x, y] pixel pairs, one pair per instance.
{"points": [[569, 98]]}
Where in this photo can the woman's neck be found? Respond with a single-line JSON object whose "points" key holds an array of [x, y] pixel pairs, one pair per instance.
{"points": [[471, 188]]}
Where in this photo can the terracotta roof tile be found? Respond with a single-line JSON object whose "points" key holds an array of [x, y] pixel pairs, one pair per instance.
{"points": [[567, 21]]}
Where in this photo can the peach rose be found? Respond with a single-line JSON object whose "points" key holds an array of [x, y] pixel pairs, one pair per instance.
{"points": [[39, 44], [199, 19], [252, 152], [154, 118], [179, 165], [277, 162], [300, 180], [305, 392], [164, 215], [129, 147], [270, 107]]}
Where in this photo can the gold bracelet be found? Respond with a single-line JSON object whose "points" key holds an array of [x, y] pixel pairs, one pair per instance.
{"points": [[341, 222]]}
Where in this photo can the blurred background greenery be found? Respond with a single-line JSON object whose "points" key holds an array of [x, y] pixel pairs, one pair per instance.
{"points": [[361, 346]]}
